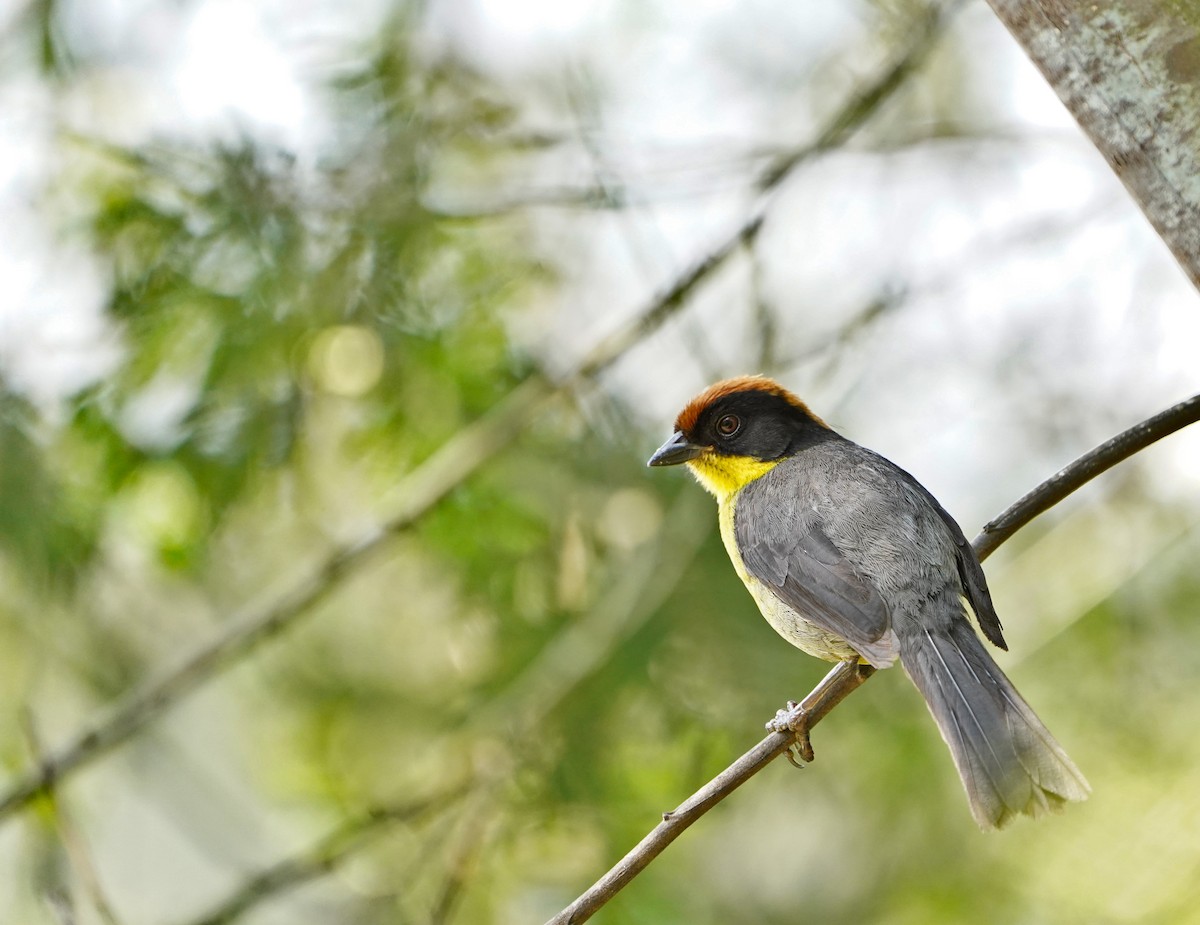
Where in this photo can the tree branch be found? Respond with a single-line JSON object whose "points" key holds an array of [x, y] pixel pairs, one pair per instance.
{"points": [[848, 119], [828, 694], [514, 711], [78, 853], [448, 468], [326, 855], [1083, 470], [453, 462], [843, 679], [927, 28], [1125, 69]]}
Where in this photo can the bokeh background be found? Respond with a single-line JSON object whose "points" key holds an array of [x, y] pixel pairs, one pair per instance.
{"points": [[333, 339]]}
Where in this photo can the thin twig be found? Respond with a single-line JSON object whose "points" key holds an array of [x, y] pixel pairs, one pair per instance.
{"points": [[78, 854], [1084, 469], [449, 467], [60, 906], [834, 345], [850, 117], [453, 462], [837, 685], [326, 855], [927, 29], [1045, 496], [464, 858]]}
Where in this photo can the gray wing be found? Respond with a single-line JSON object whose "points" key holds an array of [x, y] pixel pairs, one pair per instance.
{"points": [[789, 552], [970, 571]]}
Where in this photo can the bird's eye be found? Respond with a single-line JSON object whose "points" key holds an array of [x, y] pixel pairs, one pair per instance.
{"points": [[729, 425]]}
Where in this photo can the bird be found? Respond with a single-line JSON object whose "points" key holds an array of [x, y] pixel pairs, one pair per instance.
{"points": [[852, 560]]}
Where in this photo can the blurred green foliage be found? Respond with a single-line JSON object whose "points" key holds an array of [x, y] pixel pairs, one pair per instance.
{"points": [[550, 658]]}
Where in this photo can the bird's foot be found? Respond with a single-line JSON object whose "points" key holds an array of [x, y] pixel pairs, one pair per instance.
{"points": [[793, 720]]}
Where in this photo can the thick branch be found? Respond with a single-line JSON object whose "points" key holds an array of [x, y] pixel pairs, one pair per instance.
{"points": [[1129, 72], [842, 681]]}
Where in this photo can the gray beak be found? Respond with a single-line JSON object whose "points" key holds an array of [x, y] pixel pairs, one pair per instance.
{"points": [[676, 450]]}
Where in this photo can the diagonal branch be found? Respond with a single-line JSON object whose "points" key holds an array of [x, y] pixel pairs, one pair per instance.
{"points": [[448, 468], [513, 713], [842, 680], [80, 862], [326, 855], [1083, 470], [848, 119], [246, 629], [828, 694], [1119, 68], [927, 28]]}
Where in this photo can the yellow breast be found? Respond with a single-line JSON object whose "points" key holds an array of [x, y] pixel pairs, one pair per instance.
{"points": [[724, 476]]}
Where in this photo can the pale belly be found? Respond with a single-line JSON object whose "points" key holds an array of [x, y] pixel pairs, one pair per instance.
{"points": [[792, 626]]}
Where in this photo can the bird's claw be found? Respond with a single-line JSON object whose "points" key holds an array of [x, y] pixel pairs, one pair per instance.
{"points": [[793, 720], [781, 721]]}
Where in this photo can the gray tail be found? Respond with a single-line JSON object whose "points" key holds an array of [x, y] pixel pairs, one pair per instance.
{"points": [[1008, 761]]}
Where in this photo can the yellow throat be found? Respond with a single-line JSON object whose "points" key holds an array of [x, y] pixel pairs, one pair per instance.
{"points": [[725, 476]]}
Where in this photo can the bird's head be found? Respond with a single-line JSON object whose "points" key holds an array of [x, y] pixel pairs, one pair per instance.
{"points": [[738, 430]]}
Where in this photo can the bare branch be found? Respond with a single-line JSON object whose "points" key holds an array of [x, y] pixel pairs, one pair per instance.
{"points": [[464, 858], [449, 467], [326, 855], [452, 464], [830, 347], [79, 855], [927, 28], [841, 126], [423, 488], [842, 680], [836, 686], [1083, 470]]}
